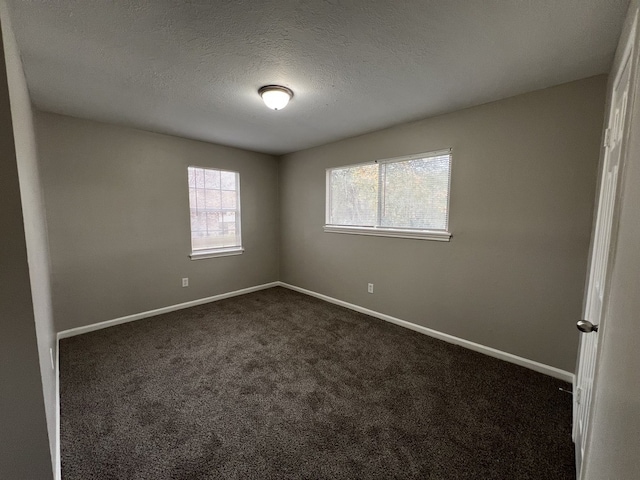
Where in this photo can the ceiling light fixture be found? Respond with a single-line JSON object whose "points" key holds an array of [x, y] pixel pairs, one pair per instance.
{"points": [[275, 97]]}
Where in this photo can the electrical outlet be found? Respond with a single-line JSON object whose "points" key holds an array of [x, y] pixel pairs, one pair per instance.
{"points": [[370, 287], [185, 282]]}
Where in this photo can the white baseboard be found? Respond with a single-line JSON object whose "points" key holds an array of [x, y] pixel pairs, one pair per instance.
{"points": [[158, 311], [492, 352]]}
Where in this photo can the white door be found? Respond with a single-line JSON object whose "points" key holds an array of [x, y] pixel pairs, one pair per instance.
{"points": [[593, 313]]}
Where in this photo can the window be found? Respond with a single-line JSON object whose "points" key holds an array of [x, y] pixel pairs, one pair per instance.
{"points": [[399, 197], [214, 201]]}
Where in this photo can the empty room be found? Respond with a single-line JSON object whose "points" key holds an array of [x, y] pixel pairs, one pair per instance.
{"points": [[319, 240]]}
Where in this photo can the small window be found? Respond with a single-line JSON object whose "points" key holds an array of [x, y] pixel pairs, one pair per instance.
{"points": [[399, 197], [214, 202]]}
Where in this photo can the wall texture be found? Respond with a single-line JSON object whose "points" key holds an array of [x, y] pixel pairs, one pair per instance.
{"points": [[25, 450], [118, 219], [614, 438], [522, 191]]}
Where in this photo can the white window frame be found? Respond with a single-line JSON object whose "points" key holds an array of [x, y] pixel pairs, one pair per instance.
{"points": [[418, 234], [202, 253]]}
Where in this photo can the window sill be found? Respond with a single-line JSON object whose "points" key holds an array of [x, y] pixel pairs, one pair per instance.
{"points": [[221, 252], [391, 232]]}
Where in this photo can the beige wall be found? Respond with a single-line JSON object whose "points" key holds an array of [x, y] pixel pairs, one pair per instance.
{"points": [[522, 192], [24, 444], [613, 446], [34, 225], [118, 219]]}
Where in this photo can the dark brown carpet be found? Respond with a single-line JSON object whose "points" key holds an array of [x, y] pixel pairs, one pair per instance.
{"points": [[280, 385]]}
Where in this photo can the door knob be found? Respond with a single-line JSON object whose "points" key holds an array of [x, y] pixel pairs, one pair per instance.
{"points": [[585, 326]]}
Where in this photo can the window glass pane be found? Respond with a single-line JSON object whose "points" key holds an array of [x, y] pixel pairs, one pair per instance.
{"points": [[405, 194], [354, 195], [199, 177], [228, 180], [228, 199], [213, 221], [200, 199], [415, 193], [212, 179], [215, 208], [213, 199], [198, 223]]}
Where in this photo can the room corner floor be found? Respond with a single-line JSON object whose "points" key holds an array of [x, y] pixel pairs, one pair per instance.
{"points": [[279, 385]]}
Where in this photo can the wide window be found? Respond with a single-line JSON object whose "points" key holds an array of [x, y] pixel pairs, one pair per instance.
{"points": [[214, 201], [400, 197]]}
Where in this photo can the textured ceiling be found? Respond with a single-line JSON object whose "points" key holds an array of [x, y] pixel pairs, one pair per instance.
{"points": [[193, 68]]}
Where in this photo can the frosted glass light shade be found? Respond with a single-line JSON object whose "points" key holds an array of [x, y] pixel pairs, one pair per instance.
{"points": [[275, 97]]}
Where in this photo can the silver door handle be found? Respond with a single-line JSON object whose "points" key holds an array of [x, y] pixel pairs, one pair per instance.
{"points": [[585, 326]]}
